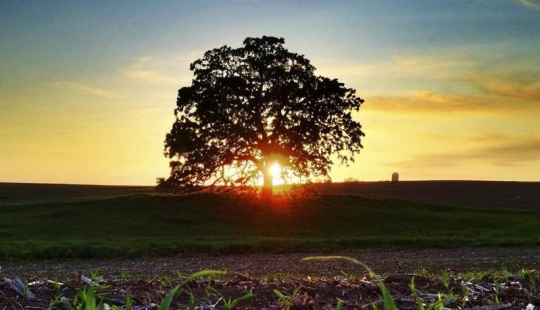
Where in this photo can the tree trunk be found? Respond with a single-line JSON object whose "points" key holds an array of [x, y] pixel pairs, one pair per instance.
{"points": [[267, 189]]}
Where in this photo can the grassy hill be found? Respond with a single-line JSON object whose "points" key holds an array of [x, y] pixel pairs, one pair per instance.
{"points": [[146, 224]]}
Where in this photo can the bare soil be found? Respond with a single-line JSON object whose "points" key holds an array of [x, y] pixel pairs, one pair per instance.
{"points": [[382, 262], [308, 284], [493, 194], [471, 193]]}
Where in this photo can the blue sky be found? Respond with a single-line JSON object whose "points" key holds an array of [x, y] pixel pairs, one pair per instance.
{"points": [[452, 88]]}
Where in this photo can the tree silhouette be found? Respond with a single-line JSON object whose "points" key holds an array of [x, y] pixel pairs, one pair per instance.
{"points": [[257, 105]]}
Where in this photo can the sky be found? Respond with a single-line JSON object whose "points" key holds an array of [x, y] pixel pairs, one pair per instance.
{"points": [[451, 88]]}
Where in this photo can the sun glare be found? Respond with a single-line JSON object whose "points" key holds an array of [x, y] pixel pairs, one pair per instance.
{"points": [[275, 170]]}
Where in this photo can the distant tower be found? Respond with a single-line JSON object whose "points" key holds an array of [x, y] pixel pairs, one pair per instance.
{"points": [[395, 177]]}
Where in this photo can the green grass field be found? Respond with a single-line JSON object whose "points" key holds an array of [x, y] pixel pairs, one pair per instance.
{"points": [[149, 225]]}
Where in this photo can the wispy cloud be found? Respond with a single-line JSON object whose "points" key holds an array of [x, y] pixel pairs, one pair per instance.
{"points": [[520, 150], [79, 87], [493, 149], [438, 65], [155, 71], [488, 93], [519, 85], [428, 102], [531, 4]]}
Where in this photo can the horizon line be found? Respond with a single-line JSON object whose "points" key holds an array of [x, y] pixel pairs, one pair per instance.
{"points": [[333, 182]]}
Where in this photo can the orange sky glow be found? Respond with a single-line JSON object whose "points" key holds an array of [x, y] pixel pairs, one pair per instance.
{"points": [[452, 89]]}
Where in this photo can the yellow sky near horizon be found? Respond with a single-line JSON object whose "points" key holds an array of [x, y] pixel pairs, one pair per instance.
{"points": [[452, 93]]}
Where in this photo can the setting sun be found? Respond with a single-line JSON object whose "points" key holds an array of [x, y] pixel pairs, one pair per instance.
{"points": [[275, 170]]}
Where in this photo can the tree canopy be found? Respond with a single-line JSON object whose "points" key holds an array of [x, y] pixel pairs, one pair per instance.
{"points": [[253, 106]]}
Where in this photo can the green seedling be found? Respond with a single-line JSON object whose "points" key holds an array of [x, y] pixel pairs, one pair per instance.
{"points": [[230, 303], [115, 307], [57, 294], [389, 303], [25, 290], [129, 302], [445, 278], [167, 280], [424, 273], [266, 278], [284, 299], [438, 305], [208, 294], [87, 297], [94, 273], [56, 302], [125, 275], [505, 273], [57, 288], [525, 273], [296, 292], [191, 302], [533, 280], [417, 298], [463, 301], [167, 301], [346, 276]]}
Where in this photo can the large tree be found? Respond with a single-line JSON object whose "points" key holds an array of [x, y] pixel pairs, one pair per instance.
{"points": [[251, 107]]}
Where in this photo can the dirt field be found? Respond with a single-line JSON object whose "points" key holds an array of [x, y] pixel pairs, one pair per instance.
{"points": [[383, 262], [471, 193], [308, 285], [28, 193]]}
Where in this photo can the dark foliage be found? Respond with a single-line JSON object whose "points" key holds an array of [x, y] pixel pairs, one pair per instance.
{"points": [[253, 106]]}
